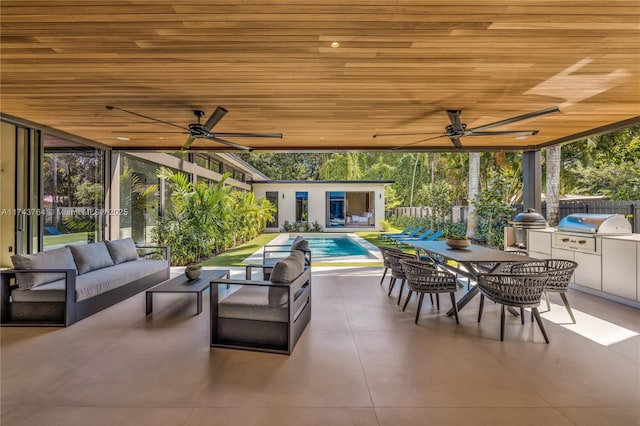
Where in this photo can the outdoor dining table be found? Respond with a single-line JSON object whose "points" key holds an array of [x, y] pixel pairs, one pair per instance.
{"points": [[475, 259]]}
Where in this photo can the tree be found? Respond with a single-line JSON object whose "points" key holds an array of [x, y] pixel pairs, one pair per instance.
{"points": [[493, 210], [341, 167], [607, 164], [294, 166], [474, 190], [552, 193]]}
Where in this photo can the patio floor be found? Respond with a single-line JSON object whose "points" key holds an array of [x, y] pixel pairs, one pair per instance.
{"points": [[361, 361]]}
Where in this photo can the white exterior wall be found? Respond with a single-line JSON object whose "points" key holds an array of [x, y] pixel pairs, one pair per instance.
{"points": [[317, 199]]}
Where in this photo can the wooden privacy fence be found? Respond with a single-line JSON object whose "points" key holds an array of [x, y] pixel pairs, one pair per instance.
{"points": [[629, 209]]}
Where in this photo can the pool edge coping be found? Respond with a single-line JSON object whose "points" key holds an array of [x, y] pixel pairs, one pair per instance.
{"points": [[372, 250]]}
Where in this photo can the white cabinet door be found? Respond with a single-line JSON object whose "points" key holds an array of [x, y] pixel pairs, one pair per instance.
{"points": [[539, 242], [558, 253], [538, 255], [589, 270], [619, 275]]}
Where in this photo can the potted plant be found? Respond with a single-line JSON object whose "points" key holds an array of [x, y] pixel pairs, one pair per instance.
{"points": [[457, 241], [193, 271]]}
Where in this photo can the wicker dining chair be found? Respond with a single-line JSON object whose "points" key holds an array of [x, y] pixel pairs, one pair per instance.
{"points": [[525, 268], [423, 277], [521, 290], [397, 271], [560, 272], [386, 261]]}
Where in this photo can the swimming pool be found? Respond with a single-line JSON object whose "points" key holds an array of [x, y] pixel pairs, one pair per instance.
{"points": [[333, 246]]}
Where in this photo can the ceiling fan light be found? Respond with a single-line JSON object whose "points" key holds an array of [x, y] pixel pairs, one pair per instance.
{"points": [[335, 44]]}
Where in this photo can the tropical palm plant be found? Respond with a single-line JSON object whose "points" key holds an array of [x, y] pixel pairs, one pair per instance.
{"points": [[206, 219]]}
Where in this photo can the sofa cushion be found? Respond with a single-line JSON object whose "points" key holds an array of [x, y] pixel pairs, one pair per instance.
{"points": [[94, 282], [60, 258], [285, 271], [122, 250], [251, 302], [90, 257]]}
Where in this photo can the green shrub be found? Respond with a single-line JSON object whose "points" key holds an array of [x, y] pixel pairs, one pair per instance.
{"points": [[385, 225], [315, 227], [206, 219]]}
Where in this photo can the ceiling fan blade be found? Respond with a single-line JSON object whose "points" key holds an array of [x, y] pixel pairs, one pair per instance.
{"points": [[383, 135], [417, 142], [247, 135], [142, 131], [456, 141], [111, 107], [230, 144], [504, 133], [214, 118], [518, 118], [189, 141], [454, 117]]}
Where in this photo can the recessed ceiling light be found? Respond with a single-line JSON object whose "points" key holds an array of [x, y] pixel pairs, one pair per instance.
{"points": [[122, 138], [521, 137], [335, 44]]}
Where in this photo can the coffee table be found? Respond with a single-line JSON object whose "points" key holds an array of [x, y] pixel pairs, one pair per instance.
{"points": [[181, 284]]}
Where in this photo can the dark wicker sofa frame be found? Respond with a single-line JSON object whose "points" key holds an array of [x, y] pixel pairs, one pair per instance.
{"points": [[63, 314]]}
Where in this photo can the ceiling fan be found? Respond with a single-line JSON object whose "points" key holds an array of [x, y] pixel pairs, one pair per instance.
{"points": [[203, 130], [458, 129]]}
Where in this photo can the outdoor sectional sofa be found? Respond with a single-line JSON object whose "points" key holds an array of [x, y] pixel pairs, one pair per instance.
{"points": [[62, 286]]}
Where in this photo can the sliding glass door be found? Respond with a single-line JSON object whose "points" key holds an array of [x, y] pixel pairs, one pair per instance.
{"points": [[73, 193], [335, 209]]}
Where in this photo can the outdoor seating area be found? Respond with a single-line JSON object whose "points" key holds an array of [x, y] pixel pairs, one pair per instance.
{"points": [[361, 360], [62, 286]]}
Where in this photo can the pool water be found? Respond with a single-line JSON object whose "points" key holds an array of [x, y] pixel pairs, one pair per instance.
{"points": [[334, 246]]}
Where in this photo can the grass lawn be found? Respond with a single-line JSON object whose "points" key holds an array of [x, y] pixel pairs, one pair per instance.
{"points": [[64, 239], [235, 256], [374, 238]]}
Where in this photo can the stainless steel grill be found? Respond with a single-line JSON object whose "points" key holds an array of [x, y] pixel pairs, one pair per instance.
{"points": [[595, 224], [579, 231]]}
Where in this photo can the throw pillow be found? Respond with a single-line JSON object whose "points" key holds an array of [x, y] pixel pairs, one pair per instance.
{"points": [[60, 258], [300, 244], [285, 271], [122, 250], [90, 257]]}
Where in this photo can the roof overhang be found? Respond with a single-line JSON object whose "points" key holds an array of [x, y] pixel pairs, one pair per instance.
{"points": [[398, 68]]}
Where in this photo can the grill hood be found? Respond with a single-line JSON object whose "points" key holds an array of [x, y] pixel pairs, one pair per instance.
{"points": [[600, 224]]}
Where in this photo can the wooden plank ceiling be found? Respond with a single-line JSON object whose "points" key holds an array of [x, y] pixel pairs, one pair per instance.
{"points": [[399, 67]]}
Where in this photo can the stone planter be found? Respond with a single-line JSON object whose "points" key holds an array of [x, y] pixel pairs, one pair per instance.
{"points": [[193, 274]]}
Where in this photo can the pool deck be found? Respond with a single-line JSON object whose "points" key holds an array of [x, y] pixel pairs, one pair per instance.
{"points": [[374, 253]]}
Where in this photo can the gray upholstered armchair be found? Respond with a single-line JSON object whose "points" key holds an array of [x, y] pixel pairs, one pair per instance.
{"points": [[264, 315]]}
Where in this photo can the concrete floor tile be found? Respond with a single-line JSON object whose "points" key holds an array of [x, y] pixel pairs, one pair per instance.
{"points": [[268, 416]]}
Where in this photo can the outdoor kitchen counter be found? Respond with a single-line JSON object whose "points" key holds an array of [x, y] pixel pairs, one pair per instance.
{"points": [[611, 270], [632, 237]]}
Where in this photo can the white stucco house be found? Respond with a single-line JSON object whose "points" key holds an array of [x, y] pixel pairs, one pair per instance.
{"points": [[335, 205]]}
